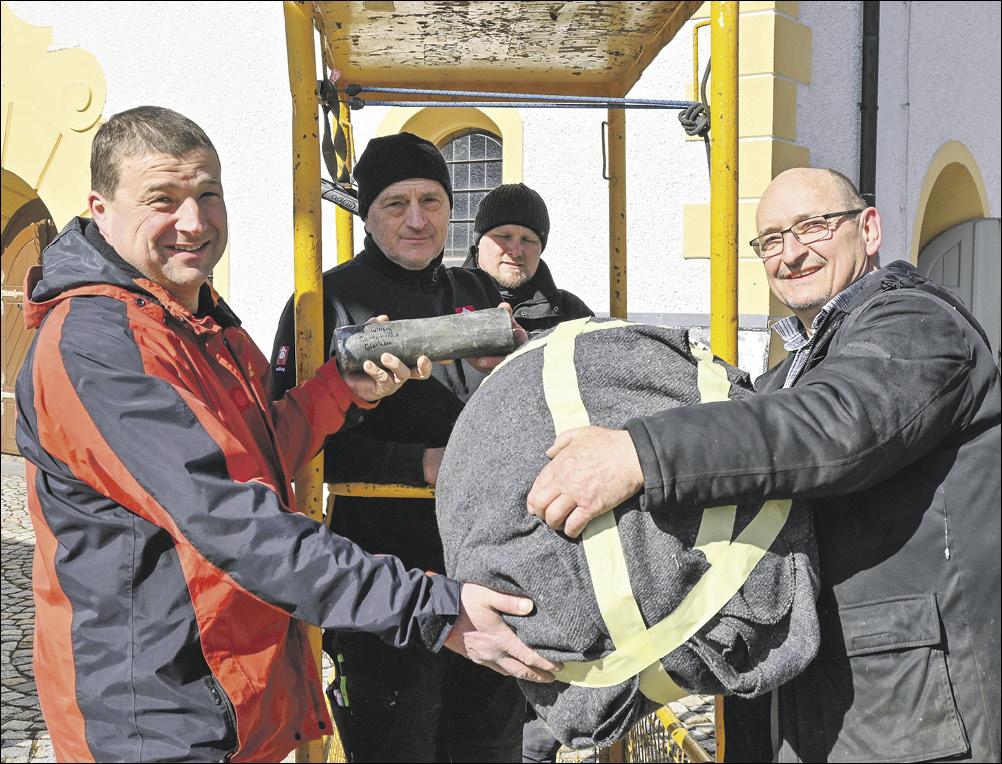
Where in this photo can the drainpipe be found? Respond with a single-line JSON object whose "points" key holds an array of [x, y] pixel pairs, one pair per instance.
{"points": [[868, 103]]}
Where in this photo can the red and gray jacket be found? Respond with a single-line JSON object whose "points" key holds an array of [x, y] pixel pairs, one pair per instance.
{"points": [[172, 573]]}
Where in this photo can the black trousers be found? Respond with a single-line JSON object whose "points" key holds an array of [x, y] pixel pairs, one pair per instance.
{"points": [[412, 705], [538, 744]]}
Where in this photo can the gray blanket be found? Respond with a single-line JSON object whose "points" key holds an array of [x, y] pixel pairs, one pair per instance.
{"points": [[766, 633]]}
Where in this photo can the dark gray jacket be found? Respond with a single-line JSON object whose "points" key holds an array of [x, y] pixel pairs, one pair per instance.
{"points": [[893, 430]]}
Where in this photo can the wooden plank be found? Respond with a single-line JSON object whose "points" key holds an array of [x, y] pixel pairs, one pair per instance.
{"points": [[580, 48]]}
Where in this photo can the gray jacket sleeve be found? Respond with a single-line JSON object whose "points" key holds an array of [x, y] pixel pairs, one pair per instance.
{"points": [[895, 382]]}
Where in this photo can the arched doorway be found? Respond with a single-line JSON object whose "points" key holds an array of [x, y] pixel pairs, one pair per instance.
{"points": [[26, 234], [955, 242], [967, 259]]}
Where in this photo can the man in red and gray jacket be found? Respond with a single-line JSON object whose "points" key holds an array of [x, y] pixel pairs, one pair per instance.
{"points": [[173, 576]]}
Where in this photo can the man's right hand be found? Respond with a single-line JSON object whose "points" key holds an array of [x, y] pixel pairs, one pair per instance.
{"points": [[375, 382], [481, 635]]}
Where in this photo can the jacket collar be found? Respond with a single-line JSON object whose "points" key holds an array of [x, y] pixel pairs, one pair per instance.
{"points": [[80, 262], [896, 275], [373, 256]]}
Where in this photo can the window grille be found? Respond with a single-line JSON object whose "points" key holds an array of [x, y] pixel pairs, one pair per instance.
{"points": [[474, 161]]}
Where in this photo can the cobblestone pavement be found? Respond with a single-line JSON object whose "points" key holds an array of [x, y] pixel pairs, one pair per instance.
{"points": [[25, 738]]}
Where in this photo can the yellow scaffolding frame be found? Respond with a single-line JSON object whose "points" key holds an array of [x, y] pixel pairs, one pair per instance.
{"points": [[308, 299]]}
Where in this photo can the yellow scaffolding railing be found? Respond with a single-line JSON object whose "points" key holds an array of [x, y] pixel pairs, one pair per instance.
{"points": [[308, 299]]}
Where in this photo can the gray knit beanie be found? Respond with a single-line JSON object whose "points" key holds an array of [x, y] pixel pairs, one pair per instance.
{"points": [[512, 204]]}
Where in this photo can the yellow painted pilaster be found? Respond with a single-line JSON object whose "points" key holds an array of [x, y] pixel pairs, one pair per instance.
{"points": [[221, 275], [774, 57]]}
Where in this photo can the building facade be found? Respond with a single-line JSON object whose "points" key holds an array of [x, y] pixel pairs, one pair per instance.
{"points": [[937, 146]]}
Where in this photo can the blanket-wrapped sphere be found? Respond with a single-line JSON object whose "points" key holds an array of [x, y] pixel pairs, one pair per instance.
{"points": [[765, 633]]}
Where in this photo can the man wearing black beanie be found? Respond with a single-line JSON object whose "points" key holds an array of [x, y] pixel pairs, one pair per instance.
{"points": [[406, 705], [511, 229]]}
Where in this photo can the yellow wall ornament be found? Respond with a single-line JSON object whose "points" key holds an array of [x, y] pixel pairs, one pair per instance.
{"points": [[50, 106], [953, 192], [439, 124]]}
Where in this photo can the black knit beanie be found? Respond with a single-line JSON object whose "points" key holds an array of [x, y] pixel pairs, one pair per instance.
{"points": [[393, 158], [513, 204]]}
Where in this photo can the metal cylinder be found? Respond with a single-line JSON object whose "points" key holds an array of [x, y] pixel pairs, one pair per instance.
{"points": [[463, 335]]}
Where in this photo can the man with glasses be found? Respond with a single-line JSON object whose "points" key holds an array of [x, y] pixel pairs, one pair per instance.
{"points": [[886, 415]]}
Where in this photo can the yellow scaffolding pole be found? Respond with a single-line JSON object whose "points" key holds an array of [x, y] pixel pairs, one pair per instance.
{"points": [[308, 299], [617, 213], [344, 220], [724, 181], [723, 212]]}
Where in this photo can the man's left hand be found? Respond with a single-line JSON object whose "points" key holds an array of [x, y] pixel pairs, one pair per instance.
{"points": [[592, 471], [486, 363], [375, 382]]}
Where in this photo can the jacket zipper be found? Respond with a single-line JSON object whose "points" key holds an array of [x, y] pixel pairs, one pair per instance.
{"points": [[813, 345], [274, 446], [221, 699]]}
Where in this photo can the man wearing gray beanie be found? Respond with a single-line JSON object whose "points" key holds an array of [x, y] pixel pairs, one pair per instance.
{"points": [[405, 705], [511, 229]]}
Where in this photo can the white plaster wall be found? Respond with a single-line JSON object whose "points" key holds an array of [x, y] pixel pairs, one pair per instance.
{"points": [[563, 162], [232, 79], [828, 106], [939, 81], [229, 75]]}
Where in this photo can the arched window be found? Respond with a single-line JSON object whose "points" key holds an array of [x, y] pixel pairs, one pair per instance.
{"points": [[474, 161]]}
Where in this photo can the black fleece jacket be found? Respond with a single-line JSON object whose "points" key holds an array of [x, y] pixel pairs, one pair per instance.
{"points": [[388, 445]]}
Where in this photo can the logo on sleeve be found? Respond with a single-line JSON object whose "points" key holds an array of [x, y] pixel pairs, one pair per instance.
{"points": [[465, 309]]}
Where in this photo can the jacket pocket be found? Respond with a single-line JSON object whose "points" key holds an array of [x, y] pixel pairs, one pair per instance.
{"points": [[886, 693]]}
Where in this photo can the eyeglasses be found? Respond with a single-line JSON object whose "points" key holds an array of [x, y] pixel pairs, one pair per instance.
{"points": [[806, 232]]}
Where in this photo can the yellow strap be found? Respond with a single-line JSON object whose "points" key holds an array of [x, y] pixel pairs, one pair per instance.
{"points": [[560, 378], [711, 378], [638, 649], [731, 563], [542, 341], [601, 540]]}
